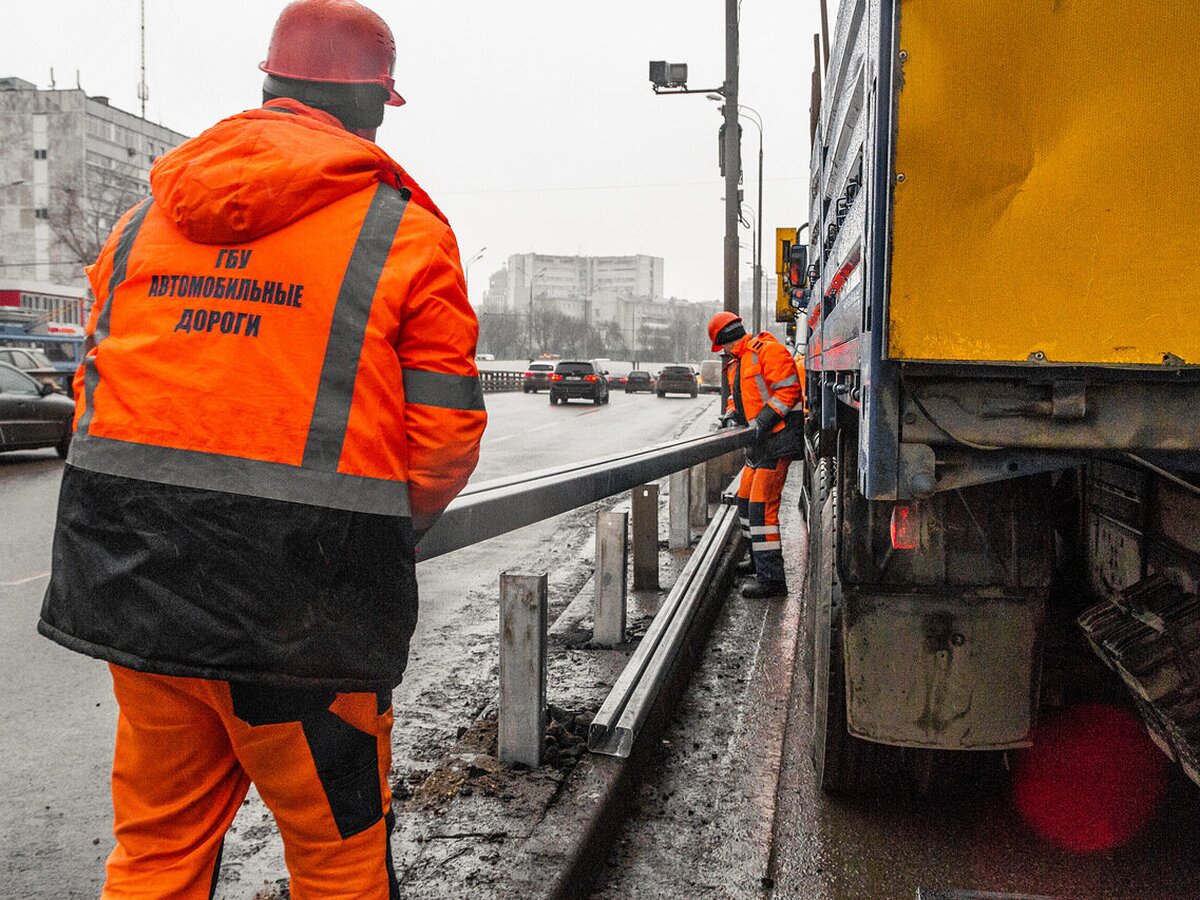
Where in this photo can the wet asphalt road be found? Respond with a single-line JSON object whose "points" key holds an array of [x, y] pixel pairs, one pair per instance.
{"points": [[733, 810], [57, 712]]}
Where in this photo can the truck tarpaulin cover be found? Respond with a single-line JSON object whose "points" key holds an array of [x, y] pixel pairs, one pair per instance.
{"points": [[1049, 200]]}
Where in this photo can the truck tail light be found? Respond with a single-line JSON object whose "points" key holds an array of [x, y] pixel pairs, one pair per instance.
{"points": [[906, 526]]}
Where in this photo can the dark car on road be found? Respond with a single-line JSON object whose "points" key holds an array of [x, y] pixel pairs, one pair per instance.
{"points": [[537, 376], [677, 380], [35, 364], [637, 380], [578, 379], [33, 415]]}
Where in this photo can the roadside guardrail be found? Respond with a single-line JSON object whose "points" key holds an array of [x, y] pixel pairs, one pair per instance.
{"points": [[495, 382], [493, 508]]}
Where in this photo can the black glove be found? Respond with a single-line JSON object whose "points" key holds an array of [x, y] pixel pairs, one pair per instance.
{"points": [[758, 431]]}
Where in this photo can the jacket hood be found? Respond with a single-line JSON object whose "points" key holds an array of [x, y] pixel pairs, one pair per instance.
{"points": [[254, 173], [743, 344]]}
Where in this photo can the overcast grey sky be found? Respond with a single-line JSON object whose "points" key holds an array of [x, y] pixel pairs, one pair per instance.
{"points": [[531, 122]]}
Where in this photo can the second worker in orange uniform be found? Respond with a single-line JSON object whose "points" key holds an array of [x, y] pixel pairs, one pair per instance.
{"points": [[766, 391]]}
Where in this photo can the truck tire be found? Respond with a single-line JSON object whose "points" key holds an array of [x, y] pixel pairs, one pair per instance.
{"points": [[844, 764]]}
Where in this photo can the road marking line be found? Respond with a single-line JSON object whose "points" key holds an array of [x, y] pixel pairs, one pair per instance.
{"points": [[24, 580]]}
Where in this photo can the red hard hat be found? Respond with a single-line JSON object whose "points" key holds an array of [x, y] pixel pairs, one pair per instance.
{"points": [[719, 321], [335, 41]]}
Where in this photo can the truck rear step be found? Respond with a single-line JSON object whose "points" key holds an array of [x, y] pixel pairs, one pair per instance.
{"points": [[1150, 635]]}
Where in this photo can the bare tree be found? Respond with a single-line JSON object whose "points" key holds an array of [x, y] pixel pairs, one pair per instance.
{"points": [[83, 212], [501, 334]]}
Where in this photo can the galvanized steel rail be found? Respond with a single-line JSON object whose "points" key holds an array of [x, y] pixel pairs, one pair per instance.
{"points": [[623, 714], [496, 507]]}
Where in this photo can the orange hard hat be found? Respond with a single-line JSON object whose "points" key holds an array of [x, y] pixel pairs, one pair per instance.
{"points": [[335, 42], [718, 323]]}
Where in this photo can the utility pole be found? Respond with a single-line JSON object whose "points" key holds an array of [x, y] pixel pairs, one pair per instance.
{"points": [[732, 156], [143, 88], [732, 172]]}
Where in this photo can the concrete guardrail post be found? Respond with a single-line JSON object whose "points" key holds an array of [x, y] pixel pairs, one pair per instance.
{"points": [[612, 555], [522, 724], [679, 510], [645, 537]]}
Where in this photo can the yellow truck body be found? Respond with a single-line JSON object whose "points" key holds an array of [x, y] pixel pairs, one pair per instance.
{"points": [[1047, 183]]}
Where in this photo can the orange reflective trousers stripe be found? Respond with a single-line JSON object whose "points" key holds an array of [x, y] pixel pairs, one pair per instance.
{"points": [[759, 493], [186, 755]]}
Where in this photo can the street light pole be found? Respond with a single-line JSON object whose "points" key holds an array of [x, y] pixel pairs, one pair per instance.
{"points": [[530, 328], [733, 165], [732, 156], [758, 304], [467, 270]]}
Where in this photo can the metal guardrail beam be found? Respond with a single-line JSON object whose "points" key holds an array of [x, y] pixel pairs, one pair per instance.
{"points": [[628, 705], [492, 508]]}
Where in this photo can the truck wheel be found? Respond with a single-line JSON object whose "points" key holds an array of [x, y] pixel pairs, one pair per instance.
{"points": [[844, 764], [833, 749]]}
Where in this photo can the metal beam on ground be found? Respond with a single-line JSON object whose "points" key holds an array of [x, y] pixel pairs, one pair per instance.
{"points": [[628, 705]]}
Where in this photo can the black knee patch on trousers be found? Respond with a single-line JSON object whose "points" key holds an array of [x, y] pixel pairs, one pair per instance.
{"points": [[348, 766], [346, 759]]}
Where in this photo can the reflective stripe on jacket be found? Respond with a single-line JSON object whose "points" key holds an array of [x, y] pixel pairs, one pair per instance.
{"points": [[764, 382], [285, 326]]}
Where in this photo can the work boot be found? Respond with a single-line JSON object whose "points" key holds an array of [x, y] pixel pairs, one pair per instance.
{"points": [[745, 567], [763, 590]]}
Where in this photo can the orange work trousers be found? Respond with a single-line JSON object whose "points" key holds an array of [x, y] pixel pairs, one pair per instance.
{"points": [[759, 491], [187, 750]]}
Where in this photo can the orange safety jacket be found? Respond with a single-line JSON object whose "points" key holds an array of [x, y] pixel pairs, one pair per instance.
{"points": [[764, 382], [281, 396]]}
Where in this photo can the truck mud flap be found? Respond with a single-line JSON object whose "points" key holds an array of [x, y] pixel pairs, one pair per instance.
{"points": [[1150, 635], [953, 671]]}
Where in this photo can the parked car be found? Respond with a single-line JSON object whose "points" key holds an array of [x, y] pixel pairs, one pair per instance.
{"points": [[32, 415], [710, 376], [581, 379], [537, 376], [34, 363], [637, 380], [676, 380]]}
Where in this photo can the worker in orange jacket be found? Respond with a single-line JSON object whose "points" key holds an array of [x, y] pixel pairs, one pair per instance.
{"points": [[280, 397], [765, 392]]}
